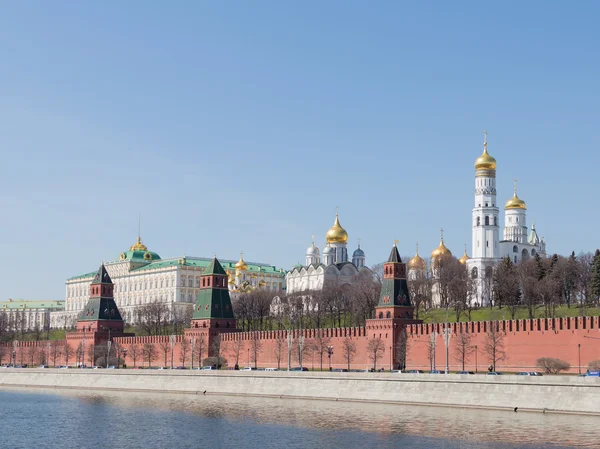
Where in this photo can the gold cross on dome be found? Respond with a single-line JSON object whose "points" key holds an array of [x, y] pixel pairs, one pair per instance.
{"points": [[515, 186], [484, 137], [337, 209], [442, 234]]}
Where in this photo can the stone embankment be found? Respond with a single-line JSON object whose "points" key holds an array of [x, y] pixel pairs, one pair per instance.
{"points": [[548, 394]]}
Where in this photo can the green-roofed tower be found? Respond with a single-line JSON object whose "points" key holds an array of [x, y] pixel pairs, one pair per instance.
{"points": [[101, 312], [213, 314], [394, 311], [213, 303]]}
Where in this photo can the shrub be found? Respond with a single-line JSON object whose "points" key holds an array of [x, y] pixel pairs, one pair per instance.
{"points": [[552, 366], [594, 365]]}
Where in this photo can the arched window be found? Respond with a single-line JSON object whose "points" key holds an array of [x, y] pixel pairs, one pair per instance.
{"points": [[388, 314], [515, 249], [380, 315], [478, 221], [524, 254], [474, 273], [495, 221], [533, 252], [488, 272], [487, 221]]}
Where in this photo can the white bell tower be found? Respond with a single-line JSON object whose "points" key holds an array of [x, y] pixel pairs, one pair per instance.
{"points": [[485, 225]]}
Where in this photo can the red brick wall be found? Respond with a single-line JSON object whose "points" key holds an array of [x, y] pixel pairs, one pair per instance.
{"points": [[524, 342]]}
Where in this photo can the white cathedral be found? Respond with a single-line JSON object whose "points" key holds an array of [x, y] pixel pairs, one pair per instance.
{"points": [[518, 242], [335, 269]]}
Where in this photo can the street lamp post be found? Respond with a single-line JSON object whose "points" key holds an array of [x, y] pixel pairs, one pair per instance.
{"points": [[447, 335], [172, 348], [329, 354], [248, 363], [475, 359], [83, 351], [579, 358], [193, 340], [391, 360]]}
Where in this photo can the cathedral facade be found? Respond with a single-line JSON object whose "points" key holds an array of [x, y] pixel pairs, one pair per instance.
{"points": [[334, 268]]}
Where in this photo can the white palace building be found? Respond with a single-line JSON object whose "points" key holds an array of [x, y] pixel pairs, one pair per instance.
{"points": [[141, 277]]}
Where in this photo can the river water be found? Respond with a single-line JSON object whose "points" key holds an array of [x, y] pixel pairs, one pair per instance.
{"points": [[50, 419]]}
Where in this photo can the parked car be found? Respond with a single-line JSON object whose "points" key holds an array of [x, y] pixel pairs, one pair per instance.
{"points": [[299, 368], [494, 373], [415, 371], [436, 371], [209, 368], [43, 366], [340, 370], [465, 372], [248, 368], [271, 369], [591, 374], [529, 373]]}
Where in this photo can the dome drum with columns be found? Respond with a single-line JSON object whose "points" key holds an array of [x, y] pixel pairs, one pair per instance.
{"points": [[334, 267]]}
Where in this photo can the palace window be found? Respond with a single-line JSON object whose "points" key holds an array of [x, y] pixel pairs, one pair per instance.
{"points": [[487, 220], [515, 249]]}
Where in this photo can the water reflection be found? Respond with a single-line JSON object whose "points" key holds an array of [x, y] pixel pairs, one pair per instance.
{"points": [[476, 427]]}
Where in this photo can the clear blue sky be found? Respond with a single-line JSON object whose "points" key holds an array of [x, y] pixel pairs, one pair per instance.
{"points": [[242, 125]]}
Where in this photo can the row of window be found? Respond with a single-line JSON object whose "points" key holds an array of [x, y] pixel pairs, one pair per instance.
{"points": [[487, 220]]}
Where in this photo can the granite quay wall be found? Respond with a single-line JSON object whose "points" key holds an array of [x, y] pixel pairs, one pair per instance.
{"points": [[565, 394]]}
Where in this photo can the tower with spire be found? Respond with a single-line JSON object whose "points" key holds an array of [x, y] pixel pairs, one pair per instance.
{"points": [[213, 313], [394, 310], [99, 321]]}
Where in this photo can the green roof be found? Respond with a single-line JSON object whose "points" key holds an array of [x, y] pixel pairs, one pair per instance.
{"points": [[213, 303], [139, 256], [20, 304], [100, 309], [214, 267], [200, 262]]}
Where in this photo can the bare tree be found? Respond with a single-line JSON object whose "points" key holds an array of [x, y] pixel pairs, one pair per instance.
{"points": [[92, 354], [184, 348], [255, 348], [402, 348], [463, 348], [149, 353], [154, 318], [321, 343], [237, 347], [375, 349], [56, 350], [2, 353], [494, 345], [279, 347], [201, 347], [419, 286], [165, 347], [67, 352], [79, 355], [134, 352], [431, 349], [349, 350]]}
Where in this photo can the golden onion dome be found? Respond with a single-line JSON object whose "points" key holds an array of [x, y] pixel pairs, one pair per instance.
{"points": [[515, 202], [231, 281], [138, 246], [485, 161], [464, 258], [417, 262], [441, 250], [336, 233], [262, 284], [241, 265]]}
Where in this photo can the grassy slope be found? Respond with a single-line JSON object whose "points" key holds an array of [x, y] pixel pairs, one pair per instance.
{"points": [[485, 314]]}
